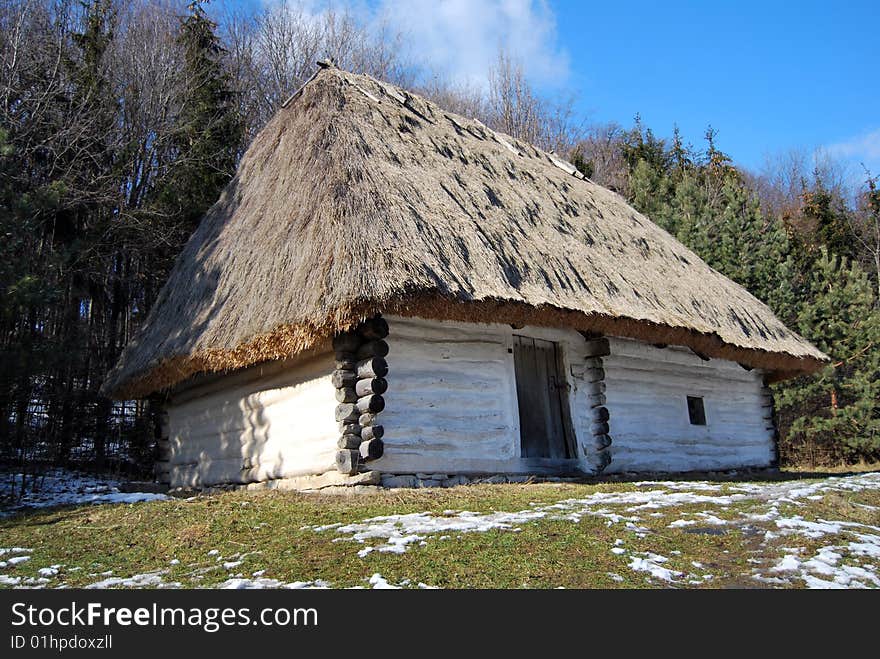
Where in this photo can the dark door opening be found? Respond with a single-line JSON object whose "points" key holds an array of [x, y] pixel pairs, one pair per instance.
{"points": [[542, 395]]}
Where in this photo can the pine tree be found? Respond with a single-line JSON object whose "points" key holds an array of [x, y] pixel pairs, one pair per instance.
{"points": [[641, 144], [649, 191], [679, 154], [825, 221], [837, 411], [209, 129], [690, 219]]}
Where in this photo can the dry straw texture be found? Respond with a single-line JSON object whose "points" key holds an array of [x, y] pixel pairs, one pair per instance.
{"points": [[359, 197]]}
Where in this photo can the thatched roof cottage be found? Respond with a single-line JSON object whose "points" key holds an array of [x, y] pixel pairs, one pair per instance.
{"points": [[390, 292]]}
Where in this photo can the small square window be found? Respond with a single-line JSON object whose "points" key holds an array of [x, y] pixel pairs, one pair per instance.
{"points": [[696, 411]]}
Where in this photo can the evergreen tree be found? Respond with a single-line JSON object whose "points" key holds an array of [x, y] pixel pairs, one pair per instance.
{"points": [[679, 154], [649, 190], [579, 160], [89, 211], [641, 144], [690, 219], [825, 221], [838, 410], [209, 129]]}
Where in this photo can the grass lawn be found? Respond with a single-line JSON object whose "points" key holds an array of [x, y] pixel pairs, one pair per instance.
{"points": [[792, 533]]}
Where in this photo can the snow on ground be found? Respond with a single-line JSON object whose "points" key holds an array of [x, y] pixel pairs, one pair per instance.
{"points": [[376, 582], [146, 580], [259, 583], [825, 570], [13, 556], [62, 487], [397, 533], [653, 565], [400, 531], [845, 554]]}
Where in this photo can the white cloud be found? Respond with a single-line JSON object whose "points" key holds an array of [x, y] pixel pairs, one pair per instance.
{"points": [[864, 147], [461, 38]]}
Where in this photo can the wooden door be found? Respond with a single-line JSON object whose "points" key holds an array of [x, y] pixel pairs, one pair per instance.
{"points": [[542, 394]]}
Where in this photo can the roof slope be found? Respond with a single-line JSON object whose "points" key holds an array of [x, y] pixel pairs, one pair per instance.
{"points": [[359, 197]]}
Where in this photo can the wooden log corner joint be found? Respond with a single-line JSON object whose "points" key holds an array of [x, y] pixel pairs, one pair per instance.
{"points": [[597, 450], [360, 381]]}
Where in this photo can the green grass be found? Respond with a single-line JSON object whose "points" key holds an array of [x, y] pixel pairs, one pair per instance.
{"points": [[265, 531]]}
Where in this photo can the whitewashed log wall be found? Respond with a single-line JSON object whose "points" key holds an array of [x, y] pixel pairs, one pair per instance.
{"points": [[451, 408], [451, 404], [646, 390], [251, 427]]}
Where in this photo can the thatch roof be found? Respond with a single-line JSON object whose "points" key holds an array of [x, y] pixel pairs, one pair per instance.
{"points": [[359, 197]]}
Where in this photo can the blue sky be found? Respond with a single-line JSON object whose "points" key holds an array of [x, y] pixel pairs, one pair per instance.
{"points": [[768, 76]]}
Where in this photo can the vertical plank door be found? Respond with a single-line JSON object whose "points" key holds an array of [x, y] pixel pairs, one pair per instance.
{"points": [[542, 396]]}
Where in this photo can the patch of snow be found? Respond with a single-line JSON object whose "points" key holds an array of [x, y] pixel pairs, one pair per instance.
{"points": [[262, 583], [788, 563], [819, 528], [849, 560], [248, 584], [63, 487], [640, 531], [707, 517], [830, 566], [378, 582], [681, 485], [652, 564], [146, 580], [397, 533], [316, 584]]}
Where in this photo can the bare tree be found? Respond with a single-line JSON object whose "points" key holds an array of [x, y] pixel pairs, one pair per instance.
{"points": [[145, 59], [461, 98], [866, 226], [781, 182], [514, 107], [273, 52], [601, 149]]}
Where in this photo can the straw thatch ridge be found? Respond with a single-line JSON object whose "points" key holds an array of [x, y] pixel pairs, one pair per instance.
{"points": [[359, 198]]}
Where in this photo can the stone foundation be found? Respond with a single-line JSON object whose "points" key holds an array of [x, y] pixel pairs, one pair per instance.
{"points": [[332, 482], [451, 480]]}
